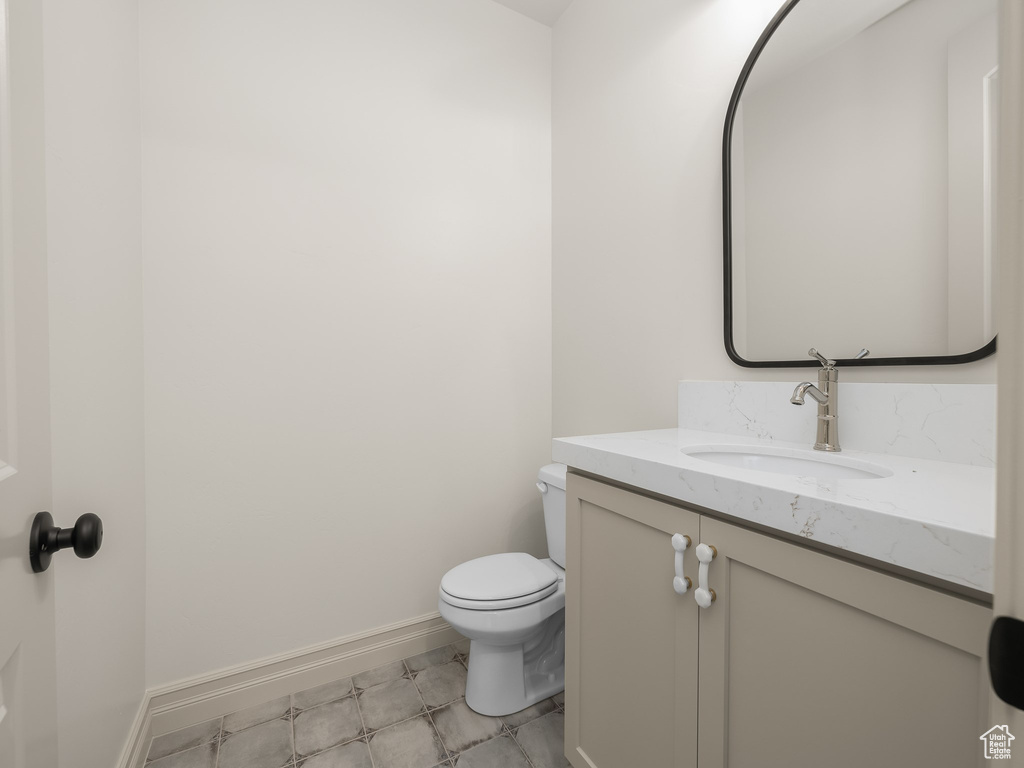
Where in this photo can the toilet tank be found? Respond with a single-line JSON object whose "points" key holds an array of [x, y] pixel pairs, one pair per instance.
{"points": [[551, 482]]}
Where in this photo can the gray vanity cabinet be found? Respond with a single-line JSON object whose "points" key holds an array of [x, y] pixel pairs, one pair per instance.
{"points": [[631, 641], [804, 658]]}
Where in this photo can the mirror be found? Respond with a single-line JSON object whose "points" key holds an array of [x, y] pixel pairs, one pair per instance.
{"points": [[859, 179]]}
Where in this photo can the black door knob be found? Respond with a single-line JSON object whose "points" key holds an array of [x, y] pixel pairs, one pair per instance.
{"points": [[46, 538]]}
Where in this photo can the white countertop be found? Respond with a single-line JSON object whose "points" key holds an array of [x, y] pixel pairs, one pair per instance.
{"points": [[932, 517]]}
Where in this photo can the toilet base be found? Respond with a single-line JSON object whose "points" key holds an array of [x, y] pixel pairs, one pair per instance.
{"points": [[509, 678]]}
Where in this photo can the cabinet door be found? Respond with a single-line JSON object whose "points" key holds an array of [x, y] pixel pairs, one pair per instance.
{"points": [[809, 660], [631, 641]]}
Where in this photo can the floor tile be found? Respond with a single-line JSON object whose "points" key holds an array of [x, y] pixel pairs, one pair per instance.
{"points": [[313, 697], [501, 752], [530, 713], [442, 684], [261, 713], [559, 699], [462, 647], [327, 726], [543, 741], [197, 757], [389, 703], [355, 754], [412, 744], [383, 674], [430, 658], [460, 728], [268, 745], [186, 738]]}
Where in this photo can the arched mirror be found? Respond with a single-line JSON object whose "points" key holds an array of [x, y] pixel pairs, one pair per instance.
{"points": [[859, 178]]}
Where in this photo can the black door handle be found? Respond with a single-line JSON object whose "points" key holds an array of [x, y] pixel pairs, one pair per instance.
{"points": [[46, 538], [1006, 660]]}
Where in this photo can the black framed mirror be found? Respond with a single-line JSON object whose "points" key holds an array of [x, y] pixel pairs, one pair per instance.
{"points": [[859, 172]]}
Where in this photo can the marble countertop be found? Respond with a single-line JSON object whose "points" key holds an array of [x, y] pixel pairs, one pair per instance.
{"points": [[931, 517]]}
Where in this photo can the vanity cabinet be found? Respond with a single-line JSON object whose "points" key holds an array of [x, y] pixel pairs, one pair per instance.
{"points": [[631, 641], [803, 658]]}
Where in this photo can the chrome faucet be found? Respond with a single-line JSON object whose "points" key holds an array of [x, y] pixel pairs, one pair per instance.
{"points": [[827, 396]]}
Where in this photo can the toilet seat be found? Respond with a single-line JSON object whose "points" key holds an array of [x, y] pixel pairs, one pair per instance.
{"points": [[497, 582], [498, 605]]}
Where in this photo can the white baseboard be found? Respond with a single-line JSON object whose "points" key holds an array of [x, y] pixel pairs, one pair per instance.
{"points": [[198, 699]]}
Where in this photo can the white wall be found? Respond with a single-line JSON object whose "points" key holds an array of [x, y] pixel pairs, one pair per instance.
{"points": [[94, 236], [640, 93], [347, 333]]}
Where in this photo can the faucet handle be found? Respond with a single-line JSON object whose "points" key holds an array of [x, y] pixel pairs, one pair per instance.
{"points": [[862, 353], [821, 358]]}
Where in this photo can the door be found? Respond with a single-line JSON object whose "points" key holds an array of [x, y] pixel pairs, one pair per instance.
{"points": [[1009, 565], [809, 660], [27, 638], [631, 640]]}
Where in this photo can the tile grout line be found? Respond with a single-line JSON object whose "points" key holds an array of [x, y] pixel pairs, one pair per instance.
{"points": [[449, 756], [291, 721], [362, 722], [426, 709], [354, 694], [217, 738], [522, 749], [220, 741], [333, 746], [506, 730], [515, 741]]}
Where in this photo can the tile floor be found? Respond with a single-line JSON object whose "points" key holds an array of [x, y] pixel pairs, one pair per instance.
{"points": [[409, 714]]}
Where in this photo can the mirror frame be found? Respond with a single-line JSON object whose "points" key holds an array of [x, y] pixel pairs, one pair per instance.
{"points": [[730, 347]]}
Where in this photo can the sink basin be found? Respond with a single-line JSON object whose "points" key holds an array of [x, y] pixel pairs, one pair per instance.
{"points": [[789, 461]]}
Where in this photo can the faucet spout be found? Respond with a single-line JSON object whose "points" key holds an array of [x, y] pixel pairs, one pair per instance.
{"points": [[827, 395], [806, 388]]}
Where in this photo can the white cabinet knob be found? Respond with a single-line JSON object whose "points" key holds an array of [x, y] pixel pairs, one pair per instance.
{"points": [[703, 594], [680, 543]]}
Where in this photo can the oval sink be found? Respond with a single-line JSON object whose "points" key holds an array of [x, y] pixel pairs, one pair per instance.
{"points": [[788, 461]]}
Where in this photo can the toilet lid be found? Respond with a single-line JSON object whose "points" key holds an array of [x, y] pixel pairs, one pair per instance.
{"points": [[507, 576]]}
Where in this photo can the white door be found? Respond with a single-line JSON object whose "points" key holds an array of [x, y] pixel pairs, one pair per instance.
{"points": [[1009, 576], [27, 637]]}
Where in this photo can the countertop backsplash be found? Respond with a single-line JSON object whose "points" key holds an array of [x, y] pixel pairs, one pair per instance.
{"points": [[939, 422]]}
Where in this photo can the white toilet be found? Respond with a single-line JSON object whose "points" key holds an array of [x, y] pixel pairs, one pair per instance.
{"points": [[512, 607]]}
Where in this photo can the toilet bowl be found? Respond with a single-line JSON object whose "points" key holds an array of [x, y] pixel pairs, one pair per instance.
{"points": [[512, 608]]}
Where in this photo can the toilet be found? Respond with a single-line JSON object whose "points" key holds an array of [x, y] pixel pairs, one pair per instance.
{"points": [[512, 608]]}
